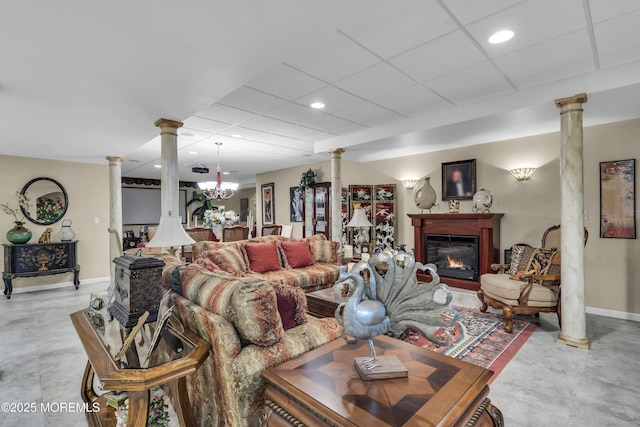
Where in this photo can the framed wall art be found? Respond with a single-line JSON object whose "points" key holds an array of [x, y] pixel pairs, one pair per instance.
{"points": [[459, 180], [268, 209], [618, 199], [296, 204]]}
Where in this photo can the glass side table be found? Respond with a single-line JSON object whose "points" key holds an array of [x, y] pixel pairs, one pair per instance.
{"points": [[134, 374]]}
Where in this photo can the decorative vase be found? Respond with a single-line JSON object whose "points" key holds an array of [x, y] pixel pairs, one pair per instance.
{"points": [[19, 234], [66, 234], [424, 195]]}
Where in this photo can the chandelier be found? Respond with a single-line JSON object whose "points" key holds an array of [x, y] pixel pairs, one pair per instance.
{"points": [[218, 190]]}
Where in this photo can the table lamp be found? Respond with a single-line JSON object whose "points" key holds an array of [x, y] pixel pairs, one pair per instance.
{"points": [[170, 235], [359, 220]]}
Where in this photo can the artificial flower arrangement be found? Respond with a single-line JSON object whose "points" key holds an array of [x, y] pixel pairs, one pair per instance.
{"points": [[23, 201], [220, 217]]}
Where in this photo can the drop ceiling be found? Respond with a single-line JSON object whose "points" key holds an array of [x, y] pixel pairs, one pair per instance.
{"points": [[80, 81]]}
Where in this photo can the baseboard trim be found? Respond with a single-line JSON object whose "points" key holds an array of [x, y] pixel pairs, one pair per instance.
{"points": [[83, 282], [614, 313]]}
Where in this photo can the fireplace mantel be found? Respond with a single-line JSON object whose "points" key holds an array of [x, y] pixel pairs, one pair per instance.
{"points": [[486, 226]]}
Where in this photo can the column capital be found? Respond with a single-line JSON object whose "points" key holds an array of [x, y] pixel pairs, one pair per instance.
{"points": [[168, 123], [337, 152], [114, 159], [580, 98]]}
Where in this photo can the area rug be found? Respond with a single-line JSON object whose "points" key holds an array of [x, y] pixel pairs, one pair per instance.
{"points": [[478, 338]]}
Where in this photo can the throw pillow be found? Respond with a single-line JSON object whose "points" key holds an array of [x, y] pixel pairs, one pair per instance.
{"points": [[292, 305], [207, 263], [324, 250], [297, 254], [229, 259], [263, 257], [255, 314], [537, 262], [516, 256]]}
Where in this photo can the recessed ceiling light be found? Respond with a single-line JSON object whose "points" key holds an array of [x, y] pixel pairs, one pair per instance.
{"points": [[235, 135], [501, 36], [317, 105], [225, 173], [193, 152], [157, 166]]}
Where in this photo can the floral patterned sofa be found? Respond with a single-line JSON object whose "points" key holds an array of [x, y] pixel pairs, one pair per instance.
{"points": [[252, 325], [310, 263]]}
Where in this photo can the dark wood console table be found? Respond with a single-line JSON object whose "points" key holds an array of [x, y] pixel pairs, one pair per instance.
{"points": [[39, 259], [486, 226]]}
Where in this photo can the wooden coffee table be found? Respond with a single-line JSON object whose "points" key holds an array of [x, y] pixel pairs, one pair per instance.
{"points": [[323, 388], [322, 303]]}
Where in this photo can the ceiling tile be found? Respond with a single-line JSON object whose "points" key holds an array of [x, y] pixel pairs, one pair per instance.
{"points": [[205, 125], [225, 114], [618, 34], [603, 10], [335, 58], [285, 82], [444, 55], [412, 101], [556, 74], [307, 116], [619, 58], [369, 114], [279, 127], [546, 56], [532, 22], [471, 84], [333, 98], [376, 81], [469, 11], [395, 27], [252, 100]]}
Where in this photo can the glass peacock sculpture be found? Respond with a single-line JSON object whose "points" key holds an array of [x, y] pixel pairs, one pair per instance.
{"points": [[383, 296]]}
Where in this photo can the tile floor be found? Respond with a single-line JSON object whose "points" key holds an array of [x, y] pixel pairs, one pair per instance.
{"points": [[545, 384]]}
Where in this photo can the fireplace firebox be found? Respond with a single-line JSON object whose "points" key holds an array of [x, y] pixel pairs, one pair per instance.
{"points": [[486, 226], [454, 255]]}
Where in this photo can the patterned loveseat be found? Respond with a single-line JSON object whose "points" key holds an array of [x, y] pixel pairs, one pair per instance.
{"points": [[310, 263], [252, 325]]}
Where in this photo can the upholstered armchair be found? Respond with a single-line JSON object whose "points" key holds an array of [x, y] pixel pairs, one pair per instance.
{"points": [[530, 284]]}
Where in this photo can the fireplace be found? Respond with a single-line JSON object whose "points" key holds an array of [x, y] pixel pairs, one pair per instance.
{"points": [[484, 230], [454, 255]]}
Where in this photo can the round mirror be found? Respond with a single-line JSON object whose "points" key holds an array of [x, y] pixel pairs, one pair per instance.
{"points": [[48, 201]]}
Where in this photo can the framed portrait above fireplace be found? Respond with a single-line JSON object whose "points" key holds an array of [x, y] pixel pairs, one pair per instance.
{"points": [[459, 180]]}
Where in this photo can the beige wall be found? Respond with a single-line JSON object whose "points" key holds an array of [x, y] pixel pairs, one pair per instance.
{"points": [[612, 268], [87, 186]]}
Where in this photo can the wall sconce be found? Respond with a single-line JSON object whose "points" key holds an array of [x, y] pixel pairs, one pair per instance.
{"points": [[409, 183], [523, 174]]}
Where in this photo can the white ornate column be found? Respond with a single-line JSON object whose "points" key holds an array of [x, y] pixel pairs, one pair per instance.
{"points": [[574, 328], [336, 187], [169, 159], [115, 209]]}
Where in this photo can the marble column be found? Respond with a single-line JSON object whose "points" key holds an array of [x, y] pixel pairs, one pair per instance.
{"points": [[574, 328], [169, 159], [336, 187], [115, 209]]}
